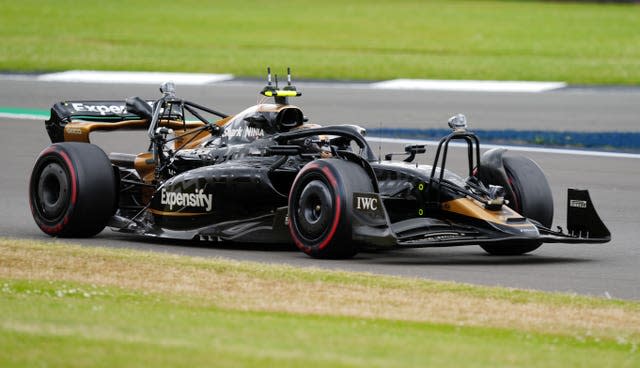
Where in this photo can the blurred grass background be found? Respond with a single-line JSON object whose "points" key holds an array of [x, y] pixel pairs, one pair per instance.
{"points": [[581, 43]]}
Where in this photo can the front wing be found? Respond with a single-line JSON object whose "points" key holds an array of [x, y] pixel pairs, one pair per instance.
{"points": [[583, 226]]}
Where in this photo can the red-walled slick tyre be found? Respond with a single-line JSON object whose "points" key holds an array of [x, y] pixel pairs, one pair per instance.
{"points": [[320, 207], [72, 190]]}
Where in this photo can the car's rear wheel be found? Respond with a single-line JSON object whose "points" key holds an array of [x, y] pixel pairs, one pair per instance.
{"points": [[320, 207], [72, 190], [531, 198]]}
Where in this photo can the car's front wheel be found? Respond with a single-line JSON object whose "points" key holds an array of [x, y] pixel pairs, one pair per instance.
{"points": [[320, 207], [531, 198]]}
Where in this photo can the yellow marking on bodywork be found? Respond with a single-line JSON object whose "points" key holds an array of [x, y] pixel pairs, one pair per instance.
{"points": [[281, 93]]}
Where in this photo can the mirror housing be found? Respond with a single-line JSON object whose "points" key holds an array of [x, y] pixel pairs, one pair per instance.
{"points": [[415, 148]]}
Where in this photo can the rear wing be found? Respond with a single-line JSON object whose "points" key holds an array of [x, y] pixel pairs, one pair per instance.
{"points": [[105, 112]]}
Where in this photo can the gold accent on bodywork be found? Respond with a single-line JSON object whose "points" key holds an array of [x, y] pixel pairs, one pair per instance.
{"points": [[274, 107], [188, 140], [472, 208], [187, 135], [177, 214], [223, 122], [145, 166], [78, 131]]}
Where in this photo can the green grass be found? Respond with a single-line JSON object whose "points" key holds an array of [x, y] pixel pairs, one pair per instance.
{"points": [[66, 324], [373, 39], [66, 306]]}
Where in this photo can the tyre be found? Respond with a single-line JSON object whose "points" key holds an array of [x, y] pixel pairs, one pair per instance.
{"points": [[320, 207], [72, 190], [531, 198]]}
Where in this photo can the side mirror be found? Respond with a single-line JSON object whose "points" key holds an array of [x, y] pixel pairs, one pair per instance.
{"points": [[140, 107], [415, 148], [411, 149]]}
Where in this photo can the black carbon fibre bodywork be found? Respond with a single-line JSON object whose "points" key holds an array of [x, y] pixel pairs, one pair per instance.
{"points": [[235, 183], [243, 198]]}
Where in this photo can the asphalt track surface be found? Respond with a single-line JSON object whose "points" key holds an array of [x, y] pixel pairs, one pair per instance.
{"points": [[610, 270]]}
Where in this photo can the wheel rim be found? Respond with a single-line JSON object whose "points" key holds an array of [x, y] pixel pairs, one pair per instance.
{"points": [[315, 210], [52, 191]]}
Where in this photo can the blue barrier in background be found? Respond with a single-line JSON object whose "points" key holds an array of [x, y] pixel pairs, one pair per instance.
{"points": [[626, 141]]}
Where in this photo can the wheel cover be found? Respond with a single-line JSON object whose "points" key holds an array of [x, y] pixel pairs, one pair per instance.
{"points": [[314, 211], [52, 192]]}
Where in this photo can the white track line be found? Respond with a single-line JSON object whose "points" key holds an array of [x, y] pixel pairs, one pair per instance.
{"points": [[10, 115], [560, 151], [125, 77], [90, 76], [468, 85]]}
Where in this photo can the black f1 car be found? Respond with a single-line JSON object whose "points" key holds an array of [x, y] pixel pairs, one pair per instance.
{"points": [[267, 175]]}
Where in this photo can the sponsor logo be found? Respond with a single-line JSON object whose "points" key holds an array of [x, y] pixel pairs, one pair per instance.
{"points": [[77, 131], [529, 230], [443, 236], [100, 109], [367, 203], [577, 203], [196, 199], [243, 132]]}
